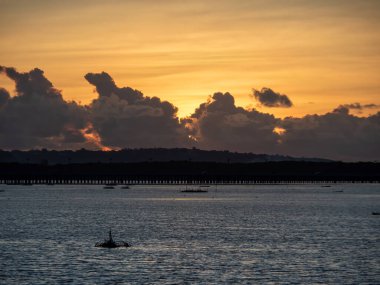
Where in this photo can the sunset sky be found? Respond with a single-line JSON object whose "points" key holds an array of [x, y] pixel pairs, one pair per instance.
{"points": [[321, 54]]}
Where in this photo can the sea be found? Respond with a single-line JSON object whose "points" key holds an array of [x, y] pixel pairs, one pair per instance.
{"points": [[253, 234]]}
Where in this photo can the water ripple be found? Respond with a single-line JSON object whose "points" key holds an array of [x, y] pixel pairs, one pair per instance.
{"points": [[237, 235]]}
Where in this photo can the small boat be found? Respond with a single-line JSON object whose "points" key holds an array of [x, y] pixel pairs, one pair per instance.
{"points": [[200, 189], [376, 213], [194, 191], [108, 187], [125, 187], [110, 243], [326, 186]]}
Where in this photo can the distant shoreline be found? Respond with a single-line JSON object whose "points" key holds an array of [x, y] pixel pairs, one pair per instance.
{"points": [[211, 184], [183, 172]]}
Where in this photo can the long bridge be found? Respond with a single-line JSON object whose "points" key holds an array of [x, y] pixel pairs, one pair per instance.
{"points": [[190, 173]]}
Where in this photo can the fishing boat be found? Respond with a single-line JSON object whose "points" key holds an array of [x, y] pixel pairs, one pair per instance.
{"points": [[108, 187], [110, 243], [195, 190]]}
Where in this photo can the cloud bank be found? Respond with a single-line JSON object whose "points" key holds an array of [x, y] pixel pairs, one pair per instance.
{"points": [[336, 134], [122, 117], [219, 124], [356, 107], [38, 116], [4, 96]]}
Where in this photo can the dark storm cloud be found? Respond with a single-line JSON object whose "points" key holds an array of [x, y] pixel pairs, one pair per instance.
{"points": [[220, 124], [357, 107], [268, 98], [361, 107], [105, 86], [336, 135], [124, 117], [4, 96], [37, 116]]}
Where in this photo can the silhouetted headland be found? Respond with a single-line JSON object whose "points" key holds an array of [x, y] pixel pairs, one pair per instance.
{"points": [[141, 155]]}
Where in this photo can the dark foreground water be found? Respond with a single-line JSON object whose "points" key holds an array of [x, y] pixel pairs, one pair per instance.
{"points": [[289, 234]]}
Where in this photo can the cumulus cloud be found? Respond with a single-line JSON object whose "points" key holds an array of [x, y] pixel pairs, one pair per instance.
{"points": [[360, 106], [124, 117], [356, 107], [268, 98], [220, 124], [336, 135], [37, 116], [4, 96]]}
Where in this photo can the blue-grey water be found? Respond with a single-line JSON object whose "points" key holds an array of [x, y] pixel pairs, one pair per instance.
{"points": [[262, 234]]}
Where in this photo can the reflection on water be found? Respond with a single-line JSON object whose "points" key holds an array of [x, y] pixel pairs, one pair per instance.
{"points": [[233, 234]]}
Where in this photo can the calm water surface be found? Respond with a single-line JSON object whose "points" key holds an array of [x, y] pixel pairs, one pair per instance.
{"points": [[286, 234]]}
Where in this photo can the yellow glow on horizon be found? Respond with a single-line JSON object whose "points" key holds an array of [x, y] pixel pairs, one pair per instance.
{"points": [[92, 137], [279, 131]]}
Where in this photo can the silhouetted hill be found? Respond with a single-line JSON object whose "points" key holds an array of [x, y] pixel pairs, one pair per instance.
{"points": [[140, 155]]}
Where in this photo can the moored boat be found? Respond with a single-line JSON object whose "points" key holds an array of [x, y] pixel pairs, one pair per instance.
{"points": [[108, 187], [110, 243], [195, 190]]}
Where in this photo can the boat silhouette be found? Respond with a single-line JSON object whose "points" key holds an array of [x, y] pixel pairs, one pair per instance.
{"points": [[195, 190], [108, 187], [110, 243]]}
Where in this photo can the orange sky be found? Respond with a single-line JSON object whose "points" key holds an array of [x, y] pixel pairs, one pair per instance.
{"points": [[320, 53]]}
